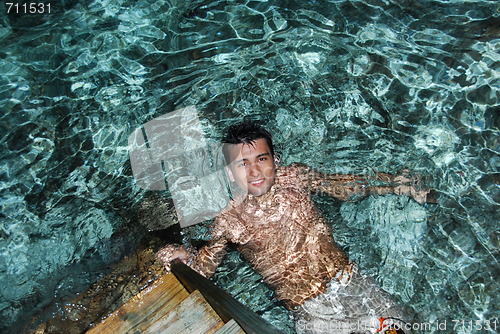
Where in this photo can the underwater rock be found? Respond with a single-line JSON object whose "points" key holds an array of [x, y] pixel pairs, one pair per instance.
{"points": [[129, 277], [157, 212]]}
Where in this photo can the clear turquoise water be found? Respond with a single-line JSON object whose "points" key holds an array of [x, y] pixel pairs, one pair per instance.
{"points": [[344, 86]]}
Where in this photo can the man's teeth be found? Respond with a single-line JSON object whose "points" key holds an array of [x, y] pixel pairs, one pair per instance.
{"points": [[257, 182]]}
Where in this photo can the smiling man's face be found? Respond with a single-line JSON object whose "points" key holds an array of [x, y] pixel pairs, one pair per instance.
{"points": [[252, 167]]}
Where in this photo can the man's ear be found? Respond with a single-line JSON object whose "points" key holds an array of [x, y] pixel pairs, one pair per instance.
{"points": [[230, 174]]}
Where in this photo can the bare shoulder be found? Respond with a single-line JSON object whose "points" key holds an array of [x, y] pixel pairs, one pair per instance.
{"points": [[293, 170], [295, 175], [231, 214], [291, 184], [223, 224], [299, 168]]}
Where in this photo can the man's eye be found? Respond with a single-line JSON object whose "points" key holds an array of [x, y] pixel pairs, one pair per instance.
{"points": [[243, 164], [263, 159]]}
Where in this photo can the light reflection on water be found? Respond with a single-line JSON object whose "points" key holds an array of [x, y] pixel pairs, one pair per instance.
{"points": [[345, 86]]}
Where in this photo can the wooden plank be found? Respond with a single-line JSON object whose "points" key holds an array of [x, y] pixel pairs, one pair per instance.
{"points": [[222, 302], [231, 327], [145, 308], [193, 316]]}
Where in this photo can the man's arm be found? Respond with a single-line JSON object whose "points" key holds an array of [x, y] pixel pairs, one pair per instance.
{"points": [[209, 257], [345, 187], [205, 261]]}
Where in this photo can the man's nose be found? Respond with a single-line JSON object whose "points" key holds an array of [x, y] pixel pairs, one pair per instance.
{"points": [[253, 170]]}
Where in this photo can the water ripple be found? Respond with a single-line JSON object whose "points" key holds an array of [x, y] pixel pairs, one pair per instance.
{"points": [[346, 86]]}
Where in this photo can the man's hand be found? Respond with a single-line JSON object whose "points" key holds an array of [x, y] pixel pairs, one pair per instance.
{"points": [[172, 252]]}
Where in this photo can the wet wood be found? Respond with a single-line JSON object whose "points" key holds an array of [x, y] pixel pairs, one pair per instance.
{"points": [[133, 274], [145, 308], [193, 316], [222, 302], [231, 327]]}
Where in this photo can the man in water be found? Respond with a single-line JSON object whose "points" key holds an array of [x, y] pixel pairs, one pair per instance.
{"points": [[281, 233]]}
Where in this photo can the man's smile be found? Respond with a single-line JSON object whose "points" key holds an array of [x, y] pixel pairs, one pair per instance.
{"points": [[257, 182], [252, 167]]}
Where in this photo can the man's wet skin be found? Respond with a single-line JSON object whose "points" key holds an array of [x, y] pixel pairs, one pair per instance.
{"points": [[277, 227], [252, 167]]}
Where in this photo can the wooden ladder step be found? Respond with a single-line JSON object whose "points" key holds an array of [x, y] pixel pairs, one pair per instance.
{"points": [[193, 316], [144, 309], [231, 327]]}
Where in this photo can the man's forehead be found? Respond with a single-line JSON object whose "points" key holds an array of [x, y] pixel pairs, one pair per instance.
{"points": [[247, 150]]}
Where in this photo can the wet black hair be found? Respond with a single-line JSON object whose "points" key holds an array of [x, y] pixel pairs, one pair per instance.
{"points": [[245, 133]]}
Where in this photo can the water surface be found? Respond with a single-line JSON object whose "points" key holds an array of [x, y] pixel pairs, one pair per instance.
{"points": [[344, 86]]}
